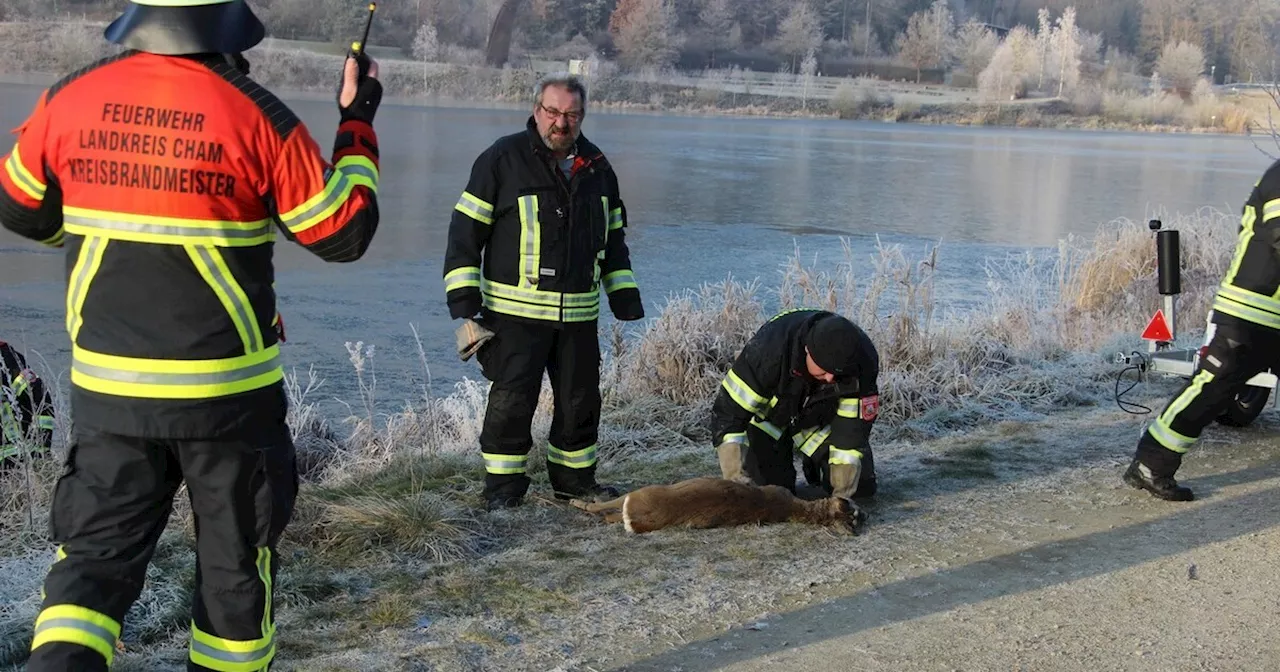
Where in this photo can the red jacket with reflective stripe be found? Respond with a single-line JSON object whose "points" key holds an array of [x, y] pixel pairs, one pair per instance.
{"points": [[166, 179]]}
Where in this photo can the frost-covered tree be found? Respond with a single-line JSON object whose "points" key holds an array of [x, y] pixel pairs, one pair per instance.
{"points": [[1015, 62], [1181, 63], [1066, 49], [975, 45], [927, 41], [800, 32], [645, 32]]}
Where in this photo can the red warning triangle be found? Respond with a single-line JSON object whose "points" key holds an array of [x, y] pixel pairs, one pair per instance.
{"points": [[1157, 329]]}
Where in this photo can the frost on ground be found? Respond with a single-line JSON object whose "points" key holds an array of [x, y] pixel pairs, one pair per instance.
{"points": [[999, 430]]}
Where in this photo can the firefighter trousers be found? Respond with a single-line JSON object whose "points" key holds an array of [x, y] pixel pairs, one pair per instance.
{"points": [[109, 508], [514, 361], [1235, 354]]}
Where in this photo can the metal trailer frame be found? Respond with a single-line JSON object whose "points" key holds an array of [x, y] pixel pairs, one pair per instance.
{"points": [[1162, 357]]}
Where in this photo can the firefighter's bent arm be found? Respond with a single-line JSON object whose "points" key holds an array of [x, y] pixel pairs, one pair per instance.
{"points": [[470, 225], [739, 398], [615, 270], [30, 202], [330, 209]]}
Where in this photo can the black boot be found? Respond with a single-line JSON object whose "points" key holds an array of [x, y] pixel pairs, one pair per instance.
{"points": [[1140, 476], [867, 477], [504, 491], [593, 492]]}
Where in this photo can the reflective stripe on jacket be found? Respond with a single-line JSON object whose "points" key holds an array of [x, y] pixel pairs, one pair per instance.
{"points": [[1249, 293], [166, 180]]}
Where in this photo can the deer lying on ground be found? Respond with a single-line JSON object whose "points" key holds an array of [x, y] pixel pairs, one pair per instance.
{"points": [[716, 502]]}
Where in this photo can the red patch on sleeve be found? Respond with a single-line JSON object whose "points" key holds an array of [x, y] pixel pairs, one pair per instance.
{"points": [[869, 407]]}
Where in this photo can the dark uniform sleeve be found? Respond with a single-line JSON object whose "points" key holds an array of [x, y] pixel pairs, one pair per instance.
{"points": [[615, 270], [30, 202], [330, 208], [740, 397], [35, 415], [470, 225]]}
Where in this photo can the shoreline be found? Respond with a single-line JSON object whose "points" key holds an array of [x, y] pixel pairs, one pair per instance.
{"points": [[1023, 115]]}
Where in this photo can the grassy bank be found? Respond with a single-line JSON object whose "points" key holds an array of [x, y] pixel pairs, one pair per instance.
{"points": [[391, 555], [57, 47]]}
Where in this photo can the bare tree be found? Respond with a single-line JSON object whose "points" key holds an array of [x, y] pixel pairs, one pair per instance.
{"points": [[498, 47], [808, 69], [1182, 64], [975, 45], [800, 32], [646, 33], [717, 20], [1066, 52], [927, 41]]}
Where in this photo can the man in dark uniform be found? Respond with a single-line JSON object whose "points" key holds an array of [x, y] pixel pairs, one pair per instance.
{"points": [[806, 381], [539, 230]]}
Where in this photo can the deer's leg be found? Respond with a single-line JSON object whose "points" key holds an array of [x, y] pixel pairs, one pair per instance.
{"points": [[597, 507]]}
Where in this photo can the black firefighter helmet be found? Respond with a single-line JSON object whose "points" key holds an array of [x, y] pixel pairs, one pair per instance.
{"points": [[178, 27]]}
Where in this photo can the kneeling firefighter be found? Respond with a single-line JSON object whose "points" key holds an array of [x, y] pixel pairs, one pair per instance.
{"points": [[165, 173], [26, 411], [805, 381]]}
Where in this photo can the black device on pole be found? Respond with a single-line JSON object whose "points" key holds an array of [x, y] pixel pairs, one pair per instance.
{"points": [[1168, 260]]}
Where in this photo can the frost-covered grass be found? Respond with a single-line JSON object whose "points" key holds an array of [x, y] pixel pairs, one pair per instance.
{"points": [[390, 547]]}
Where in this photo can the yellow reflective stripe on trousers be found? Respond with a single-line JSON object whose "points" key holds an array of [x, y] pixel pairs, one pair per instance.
{"points": [[496, 463], [347, 173], [530, 241], [848, 408], [615, 219], [810, 440], [474, 207], [213, 268], [736, 437], [461, 278], [22, 177], [166, 230], [742, 393], [574, 459], [231, 655], [767, 427], [86, 266], [1225, 304], [617, 280], [842, 456], [70, 624], [1162, 431], [174, 379]]}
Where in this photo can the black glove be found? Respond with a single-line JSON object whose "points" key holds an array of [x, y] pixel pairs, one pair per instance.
{"points": [[368, 95]]}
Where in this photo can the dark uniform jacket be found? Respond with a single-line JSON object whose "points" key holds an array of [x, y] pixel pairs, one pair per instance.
{"points": [[26, 408], [1247, 295], [526, 243], [168, 209], [769, 386]]}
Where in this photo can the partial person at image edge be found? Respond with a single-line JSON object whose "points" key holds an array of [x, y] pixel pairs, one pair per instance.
{"points": [[175, 368]]}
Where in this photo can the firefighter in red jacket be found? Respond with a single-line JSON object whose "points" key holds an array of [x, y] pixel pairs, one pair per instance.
{"points": [[26, 411], [806, 381], [164, 171]]}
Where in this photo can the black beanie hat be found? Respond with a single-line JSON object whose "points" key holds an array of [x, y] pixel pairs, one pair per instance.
{"points": [[833, 344]]}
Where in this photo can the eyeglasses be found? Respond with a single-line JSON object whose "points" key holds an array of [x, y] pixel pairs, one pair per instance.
{"points": [[571, 117]]}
